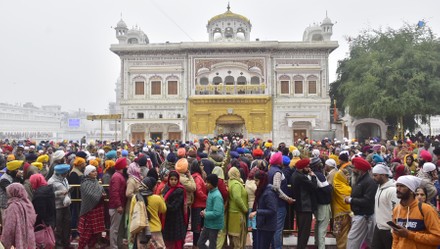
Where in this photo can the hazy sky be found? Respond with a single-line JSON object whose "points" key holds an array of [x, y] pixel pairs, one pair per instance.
{"points": [[57, 51]]}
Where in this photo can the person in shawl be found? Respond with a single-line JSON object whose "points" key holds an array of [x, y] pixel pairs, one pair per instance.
{"points": [[30, 170], [91, 215], [155, 207], [238, 209], [18, 228], [133, 186], [174, 223], [43, 200]]}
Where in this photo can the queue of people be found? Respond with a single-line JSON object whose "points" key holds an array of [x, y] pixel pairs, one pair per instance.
{"points": [[377, 194]]}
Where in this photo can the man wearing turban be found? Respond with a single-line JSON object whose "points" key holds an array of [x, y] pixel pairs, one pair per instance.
{"points": [[12, 174], [362, 205]]}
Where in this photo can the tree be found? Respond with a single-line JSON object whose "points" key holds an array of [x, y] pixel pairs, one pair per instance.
{"points": [[391, 75]]}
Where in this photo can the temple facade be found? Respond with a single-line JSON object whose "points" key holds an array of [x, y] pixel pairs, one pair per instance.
{"points": [[226, 85]]}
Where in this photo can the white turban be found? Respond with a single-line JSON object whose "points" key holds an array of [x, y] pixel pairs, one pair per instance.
{"points": [[59, 154], [428, 167], [89, 169], [315, 153], [330, 162], [382, 169], [412, 182]]}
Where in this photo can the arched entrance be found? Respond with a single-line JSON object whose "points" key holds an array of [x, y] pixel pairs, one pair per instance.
{"points": [[367, 131], [230, 124]]}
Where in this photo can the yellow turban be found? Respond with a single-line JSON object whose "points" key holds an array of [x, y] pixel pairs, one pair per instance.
{"points": [[43, 159], [94, 163], [335, 157], [78, 161], [14, 165], [10, 157], [109, 164], [292, 148], [39, 165]]}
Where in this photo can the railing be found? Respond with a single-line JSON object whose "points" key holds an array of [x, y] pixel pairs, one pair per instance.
{"points": [[230, 89]]}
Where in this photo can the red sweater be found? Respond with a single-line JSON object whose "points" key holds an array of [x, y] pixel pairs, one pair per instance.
{"points": [[200, 195], [117, 188]]}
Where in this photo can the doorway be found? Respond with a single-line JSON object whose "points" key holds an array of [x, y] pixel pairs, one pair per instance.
{"points": [[299, 134], [137, 137]]}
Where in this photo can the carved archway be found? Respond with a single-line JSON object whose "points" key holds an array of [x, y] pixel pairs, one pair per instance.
{"points": [[230, 124]]}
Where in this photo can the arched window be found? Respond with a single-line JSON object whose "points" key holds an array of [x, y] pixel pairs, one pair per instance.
{"points": [[241, 80], [133, 41], [228, 32], [217, 80], [229, 80], [255, 80], [204, 81]]}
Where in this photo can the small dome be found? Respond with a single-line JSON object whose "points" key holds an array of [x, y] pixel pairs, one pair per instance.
{"points": [[327, 21], [228, 15], [121, 24], [255, 69]]}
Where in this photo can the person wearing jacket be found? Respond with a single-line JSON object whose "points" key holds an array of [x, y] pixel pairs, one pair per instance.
{"points": [[61, 189], [324, 197], [417, 226], [213, 214], [200, 196], [187, 181], [384, 203], [43, 201], [279, 182], [362, 205], [238, 208], [117, 200], [265, 209], [304, 189], [221, 238]]}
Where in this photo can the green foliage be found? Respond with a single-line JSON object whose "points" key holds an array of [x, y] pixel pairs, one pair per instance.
{"points": [[391, 74]]}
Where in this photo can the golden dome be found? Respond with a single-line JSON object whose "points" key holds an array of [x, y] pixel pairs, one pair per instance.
{"points": [[228, 14]]}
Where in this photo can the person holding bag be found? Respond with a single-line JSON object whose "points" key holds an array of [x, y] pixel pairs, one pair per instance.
{"points": [[91, 217], [44, 205]]}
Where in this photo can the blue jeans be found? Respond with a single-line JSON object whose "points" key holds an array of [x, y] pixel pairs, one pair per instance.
{"points": [[277, 241]]}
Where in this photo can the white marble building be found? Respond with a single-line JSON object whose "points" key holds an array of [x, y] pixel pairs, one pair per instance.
{"points": [[228, 84]]}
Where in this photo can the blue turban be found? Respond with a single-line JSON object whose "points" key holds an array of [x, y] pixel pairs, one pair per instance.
{"points": [[62, 168], [111, 154], [286, 160], [240, 150], [234, 154], [377, 158]]}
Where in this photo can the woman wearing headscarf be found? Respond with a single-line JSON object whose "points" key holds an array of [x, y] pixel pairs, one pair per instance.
{"points": [[43, 201], [238, 208], [265, 208], [163, 181], [155, 208], [200, 197], [133, 185], [18, 228], [91, 216], [221, 237], [174, 224]]}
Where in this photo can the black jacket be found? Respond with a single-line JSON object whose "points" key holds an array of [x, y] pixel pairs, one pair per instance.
{"points": [[362, 195], [44, 205], [304, 192]]}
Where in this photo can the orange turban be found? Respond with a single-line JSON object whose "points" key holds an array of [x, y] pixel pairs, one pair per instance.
{"points": [[78, 161], [182, 165]]}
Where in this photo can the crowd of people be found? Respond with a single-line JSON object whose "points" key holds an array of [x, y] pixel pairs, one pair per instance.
{"points": [[374, 194]]}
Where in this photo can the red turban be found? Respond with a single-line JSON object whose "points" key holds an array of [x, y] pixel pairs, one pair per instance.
{"points": [[257, 152], [361, 164], [121, 163], [301, 164], [426, 156]]}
